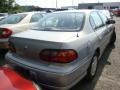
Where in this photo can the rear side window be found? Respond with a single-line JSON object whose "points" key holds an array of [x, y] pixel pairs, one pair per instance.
{"points": [[103, 17], [97, 20], [36, 17]]}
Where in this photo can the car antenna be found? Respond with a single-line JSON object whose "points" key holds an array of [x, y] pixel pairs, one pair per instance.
{"points": [[77, 35]]}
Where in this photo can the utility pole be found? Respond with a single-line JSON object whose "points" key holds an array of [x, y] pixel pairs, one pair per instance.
{"points": [[56, 4], [98, 1], [45, 3], [72, 3]]}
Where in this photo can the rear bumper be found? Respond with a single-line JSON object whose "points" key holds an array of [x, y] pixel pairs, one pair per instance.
{"points": [[54, 80]]}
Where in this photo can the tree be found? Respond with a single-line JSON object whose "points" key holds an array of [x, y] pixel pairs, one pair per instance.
{"points": [[3, 4], [9, 6]]}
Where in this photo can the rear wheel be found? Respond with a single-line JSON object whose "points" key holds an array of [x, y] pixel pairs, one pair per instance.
{"points": [[113, 38], [92, 68]]}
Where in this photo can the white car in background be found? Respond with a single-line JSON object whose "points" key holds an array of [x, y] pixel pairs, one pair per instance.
{"points": [[3, 15], [1, 18], [17, 23]]}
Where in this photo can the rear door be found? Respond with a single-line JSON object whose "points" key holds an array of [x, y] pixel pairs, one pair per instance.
{"points": [[109, 27], [100, 29]]}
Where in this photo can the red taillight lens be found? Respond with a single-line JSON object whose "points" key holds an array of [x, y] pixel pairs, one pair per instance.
{"points": [[59, 56], [5, 33], [14, 81]]}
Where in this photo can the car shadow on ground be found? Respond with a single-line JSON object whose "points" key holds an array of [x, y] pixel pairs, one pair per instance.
{"points": [[2, 57], [84, 84]]}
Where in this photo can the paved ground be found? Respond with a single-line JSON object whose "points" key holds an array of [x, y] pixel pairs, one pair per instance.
{"points": [[108, 75]]}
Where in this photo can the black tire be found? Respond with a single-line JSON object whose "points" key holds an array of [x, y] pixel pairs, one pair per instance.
{"points": [[113, 38], [89, 75]]}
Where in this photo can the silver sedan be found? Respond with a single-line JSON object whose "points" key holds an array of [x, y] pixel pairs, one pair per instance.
{"points": [[62, 48]]}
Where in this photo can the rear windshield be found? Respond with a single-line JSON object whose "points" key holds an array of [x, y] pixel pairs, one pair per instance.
{"points": [[61, 22], [13, 19]]}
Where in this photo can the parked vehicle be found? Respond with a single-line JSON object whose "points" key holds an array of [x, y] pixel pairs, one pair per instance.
{"points": [[116, 12], [17, 23], [10, 80], [63, 48], [1, 18], [3, 15]]}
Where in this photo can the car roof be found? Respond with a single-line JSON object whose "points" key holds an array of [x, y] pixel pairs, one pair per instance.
{"points": [[81, 10], [30, 13]]}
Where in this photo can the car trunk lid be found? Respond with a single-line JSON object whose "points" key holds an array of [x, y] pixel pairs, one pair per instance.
{"points": [[29, 44]]}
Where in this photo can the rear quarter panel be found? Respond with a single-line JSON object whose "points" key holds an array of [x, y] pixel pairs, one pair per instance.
{"points": [[19, 28]]}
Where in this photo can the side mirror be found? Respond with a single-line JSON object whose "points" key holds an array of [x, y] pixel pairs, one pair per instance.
{"points": [[110, 21]]}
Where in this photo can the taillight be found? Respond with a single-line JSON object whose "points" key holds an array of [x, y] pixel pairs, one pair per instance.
{"points": [[5, 33], [59, 56]]}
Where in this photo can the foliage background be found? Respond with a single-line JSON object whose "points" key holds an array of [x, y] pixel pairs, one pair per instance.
{"points": [[9, 6]]}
